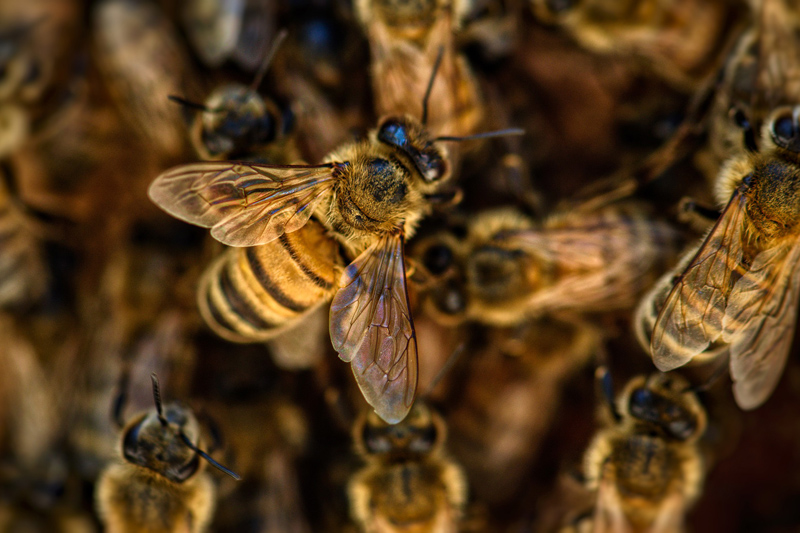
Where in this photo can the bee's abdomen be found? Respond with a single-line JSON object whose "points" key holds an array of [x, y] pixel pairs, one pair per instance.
{"points": [[250, 294]]}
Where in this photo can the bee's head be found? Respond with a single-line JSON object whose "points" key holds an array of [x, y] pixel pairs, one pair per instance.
{"points": [[421, 432], [154, 441], [166, 440], [409, 137], [665, 403], [236, 121]]}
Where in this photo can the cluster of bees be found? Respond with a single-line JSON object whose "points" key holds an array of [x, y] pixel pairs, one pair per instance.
{"points": [[546, 235]]}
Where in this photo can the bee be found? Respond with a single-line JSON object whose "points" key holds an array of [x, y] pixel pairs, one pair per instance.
{"points": [[646, 465], [405, 38], [142, 62], [408, 483], [509, 399], [681, 41], [737, 292], [36, 40], [365, 198], [507, 269], [161, 485], [235, 122], [752, 86]]}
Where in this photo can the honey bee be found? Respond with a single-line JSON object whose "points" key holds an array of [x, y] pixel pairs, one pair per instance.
{"points": [[36, 40], [142, 62], [507, 269], [406, 39], [508, 400], [161, 485], [646, 464], [235, 122], [680, 41], [408, 483], [369, 196], [737, 293]]}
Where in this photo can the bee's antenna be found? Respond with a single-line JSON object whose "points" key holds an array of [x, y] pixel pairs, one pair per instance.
{"points": [[430, 86], [121, 399], [485, 135], [188, 103], [262, 70], [208, 458], [448, 365], [605, 386], [157, 398]]}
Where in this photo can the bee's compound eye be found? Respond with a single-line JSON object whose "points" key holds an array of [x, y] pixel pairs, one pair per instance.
{"points": [[641, 404], [438, 259], [394, 133], [783, 128], [785, 132]]}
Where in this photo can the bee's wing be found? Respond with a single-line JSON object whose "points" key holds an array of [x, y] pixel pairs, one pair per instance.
{"points": [[604, 267], [608, 514], [371, 328], [759, 323], [671, 515], [691, 318], [243, 204]]}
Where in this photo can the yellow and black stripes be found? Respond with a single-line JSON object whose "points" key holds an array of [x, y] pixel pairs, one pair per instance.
{"points": [[250, 294]]}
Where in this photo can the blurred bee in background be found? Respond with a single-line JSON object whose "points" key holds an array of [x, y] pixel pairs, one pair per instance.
{"points": [[36, 40], [142, 62], [682, 41], [737, 293], [506, 269], [645, 464], [406, 39], [508, 399], [369, 195], [235, 122], [760, 75], [161, 485], [408, 482]]}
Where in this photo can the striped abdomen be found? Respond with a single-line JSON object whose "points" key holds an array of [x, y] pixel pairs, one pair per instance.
{"points": [[252, 294]]}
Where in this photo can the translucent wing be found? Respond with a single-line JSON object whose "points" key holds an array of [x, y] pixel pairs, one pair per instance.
{"points": [[600, 266], [691, 318], [371, 328], [608, 514], [243, 204], [759, 323]]}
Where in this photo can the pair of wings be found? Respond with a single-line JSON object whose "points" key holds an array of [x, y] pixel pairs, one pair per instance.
{"points": [[601, 263], [725, 295], [370, 323]]}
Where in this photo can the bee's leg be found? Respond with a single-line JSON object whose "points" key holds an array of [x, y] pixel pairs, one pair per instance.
{"points": [[605, 390], [696, 214]]}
